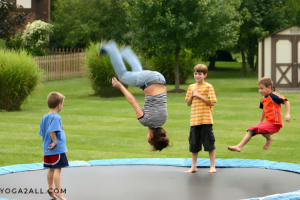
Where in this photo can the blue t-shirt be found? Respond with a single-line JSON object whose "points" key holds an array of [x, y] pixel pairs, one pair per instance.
{"points": [[52, 123]]}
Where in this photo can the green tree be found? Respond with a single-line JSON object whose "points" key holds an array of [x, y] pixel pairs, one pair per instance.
{"points": [[11, 17], [260, 18], [292, 11], [78, 22], [166, 26]]}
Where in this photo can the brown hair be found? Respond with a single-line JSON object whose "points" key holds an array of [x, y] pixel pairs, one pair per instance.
{"points": [[160, 140], [54, 98], [201, 68], [266, 81]]}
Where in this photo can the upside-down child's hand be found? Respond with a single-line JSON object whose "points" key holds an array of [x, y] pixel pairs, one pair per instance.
{"points": [[116, 83]]}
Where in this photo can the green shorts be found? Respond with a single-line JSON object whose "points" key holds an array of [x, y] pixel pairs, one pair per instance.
{"points": [[202, 135]]}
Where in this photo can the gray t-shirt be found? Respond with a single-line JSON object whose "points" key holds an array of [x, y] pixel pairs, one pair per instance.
{"points": [[155, 111]]}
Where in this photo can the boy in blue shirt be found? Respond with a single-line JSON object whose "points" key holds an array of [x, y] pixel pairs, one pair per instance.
{"points": [[54, 144]]}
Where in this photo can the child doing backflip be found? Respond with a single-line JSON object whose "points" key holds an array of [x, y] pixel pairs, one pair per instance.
{"points": [[54, 144], [271, 105], [201, 96], [154, 113]]}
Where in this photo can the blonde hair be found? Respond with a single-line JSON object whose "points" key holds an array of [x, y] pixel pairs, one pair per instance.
{"points": [[201, 68], [266, 82], [54, 98]]}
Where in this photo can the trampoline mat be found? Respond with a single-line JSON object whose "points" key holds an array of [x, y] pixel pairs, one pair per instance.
{"points": [[145, 182]]}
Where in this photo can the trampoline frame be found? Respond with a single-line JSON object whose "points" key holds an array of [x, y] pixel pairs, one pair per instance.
{"points": [[180, 162]]}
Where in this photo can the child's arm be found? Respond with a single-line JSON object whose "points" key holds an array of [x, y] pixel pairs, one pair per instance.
{"points": [[287, 117], [53, 137], [262, 116], [190, 100], [205, 100], [130, 98]]}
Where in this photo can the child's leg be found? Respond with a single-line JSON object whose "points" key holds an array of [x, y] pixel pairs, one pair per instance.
{"points": [[56, 179], [268, 142], [126, 77], [130, 57], [194, 163], [115, 58], [50, 188], [244, 141], [212, 156]]}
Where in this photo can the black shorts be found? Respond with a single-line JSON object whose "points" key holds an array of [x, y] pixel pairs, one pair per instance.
{"points": [[56, 161], [202, 135]]}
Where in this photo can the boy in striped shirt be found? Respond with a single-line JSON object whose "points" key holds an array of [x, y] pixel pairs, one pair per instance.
{"points": [[271, 105], [201, 96]]}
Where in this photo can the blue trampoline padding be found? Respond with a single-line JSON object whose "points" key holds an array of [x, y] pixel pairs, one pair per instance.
{"points": [[287, 196], [78, 164], [20, 168]]}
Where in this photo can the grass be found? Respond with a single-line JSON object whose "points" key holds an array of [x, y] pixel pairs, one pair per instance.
{"points": [[2, 43], [106, 128]]}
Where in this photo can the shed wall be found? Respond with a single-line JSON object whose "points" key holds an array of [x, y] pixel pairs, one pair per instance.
{"points": [[267, 57], [260, 56]]}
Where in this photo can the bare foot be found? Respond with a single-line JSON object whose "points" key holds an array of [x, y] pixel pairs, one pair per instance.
{"points": [[51, 194], [192, 170], [268, 143], [212, 170], [60, 196], [235, 148]]}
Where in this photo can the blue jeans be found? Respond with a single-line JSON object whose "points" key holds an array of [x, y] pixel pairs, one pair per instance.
{"points": [[137, 77]]}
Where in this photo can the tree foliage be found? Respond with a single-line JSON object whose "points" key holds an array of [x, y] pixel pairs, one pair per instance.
{"points": [[77, 22], [11, 17], [166, 26], [260, 18]]}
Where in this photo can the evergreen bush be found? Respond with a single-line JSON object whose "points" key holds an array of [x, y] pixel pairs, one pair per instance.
{"points": [[166, 66], [15, 42], [19, 77], [100, 72]]}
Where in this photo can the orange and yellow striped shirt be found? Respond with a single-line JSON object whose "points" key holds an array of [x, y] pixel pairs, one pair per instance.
{"points": [[201, 113]]}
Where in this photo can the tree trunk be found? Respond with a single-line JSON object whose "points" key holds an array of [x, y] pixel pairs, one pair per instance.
{"points": [[177, 50], [251, 61], [212, 62], [256, 66], [244, 67]]}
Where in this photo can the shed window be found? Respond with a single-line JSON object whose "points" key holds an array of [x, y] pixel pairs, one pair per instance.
{"points": [[24, 3]]}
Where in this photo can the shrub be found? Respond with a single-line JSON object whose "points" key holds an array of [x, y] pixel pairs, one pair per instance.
{"points": [[18, 78], [166, 66], [35, 37], [100, 72], [15, 42]]}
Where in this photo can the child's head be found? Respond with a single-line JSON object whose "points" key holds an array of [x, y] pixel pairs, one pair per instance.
{"points": [[54, 99], [266, 82], [158, 138], [200, 73], [201, 68], [265, 86]]}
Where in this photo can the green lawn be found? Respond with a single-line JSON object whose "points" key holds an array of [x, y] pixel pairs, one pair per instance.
{"points": [[106, 128]]}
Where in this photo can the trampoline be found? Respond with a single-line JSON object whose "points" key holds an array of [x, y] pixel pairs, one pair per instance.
{"points": [[143, 179]]}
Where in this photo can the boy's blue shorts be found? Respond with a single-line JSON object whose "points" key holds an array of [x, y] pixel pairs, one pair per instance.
{"points": [[56, 161]]}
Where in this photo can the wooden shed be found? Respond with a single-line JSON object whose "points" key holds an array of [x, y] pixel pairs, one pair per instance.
{"points": [[279, 58]]}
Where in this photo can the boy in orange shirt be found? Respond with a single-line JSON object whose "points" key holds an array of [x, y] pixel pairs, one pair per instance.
{"points": [[271, 105], [201, 96]]}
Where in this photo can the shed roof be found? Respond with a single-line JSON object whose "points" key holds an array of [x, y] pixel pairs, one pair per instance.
{"points": [[260, 39]]}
